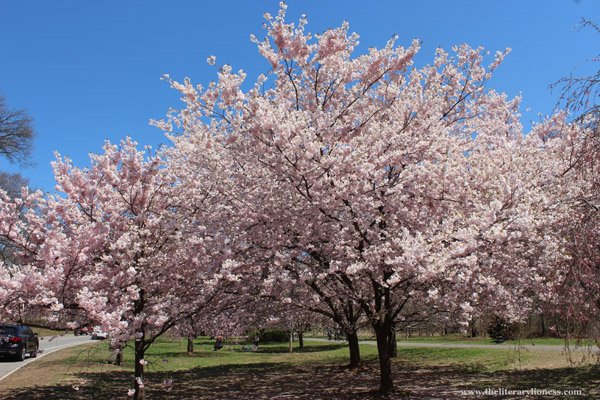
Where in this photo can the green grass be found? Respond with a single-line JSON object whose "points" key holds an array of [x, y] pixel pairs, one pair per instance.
{"points": [[461, 339], [489, 360], [166, 355], [487, 340], [272, 372], [554, 341]]}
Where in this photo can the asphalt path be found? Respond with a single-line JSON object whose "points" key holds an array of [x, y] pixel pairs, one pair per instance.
{"points": [[523, 346], [48, 344]]}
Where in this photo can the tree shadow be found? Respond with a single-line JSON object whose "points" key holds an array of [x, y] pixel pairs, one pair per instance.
{"points": [[236, 381], [449, 382], [307, 349], [269, 380]]}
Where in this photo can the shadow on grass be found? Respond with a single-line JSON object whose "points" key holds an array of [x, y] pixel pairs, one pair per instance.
{"points": [[311, 381], [269, 349], [274, 349]]}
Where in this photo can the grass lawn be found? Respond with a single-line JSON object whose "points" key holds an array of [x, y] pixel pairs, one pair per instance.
{"points": [[461, 339], [317, 372], [487, 340]]}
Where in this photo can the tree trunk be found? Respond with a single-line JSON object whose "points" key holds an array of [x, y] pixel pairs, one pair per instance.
{"points": [[116, 354], [383, 332], [474, 331], [190, 344], [354, 349], [140, 344], [139, 368], [119, 357], [300, 340], [291, 348], [544, 326]]}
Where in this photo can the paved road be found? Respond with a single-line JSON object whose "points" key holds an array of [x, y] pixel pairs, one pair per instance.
{"points": [[48, 344], [524, 346]]}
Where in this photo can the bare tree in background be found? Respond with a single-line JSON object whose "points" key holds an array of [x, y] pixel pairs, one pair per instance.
{"points": [[580, 93], [16, 140], [16, 133], [12, 183]]}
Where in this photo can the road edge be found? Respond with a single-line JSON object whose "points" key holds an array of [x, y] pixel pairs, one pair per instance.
{"points": [[41, 355]]}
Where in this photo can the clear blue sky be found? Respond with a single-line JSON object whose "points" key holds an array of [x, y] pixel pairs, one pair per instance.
{"points": [[89, 71]]}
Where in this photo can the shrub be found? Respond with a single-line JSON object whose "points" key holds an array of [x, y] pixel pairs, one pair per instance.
{"points": [[499, 329], [273, 336]]}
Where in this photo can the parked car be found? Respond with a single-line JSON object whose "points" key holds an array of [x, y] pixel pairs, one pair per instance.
{"points": [[18, 340], [98, 334], [83, 330]]}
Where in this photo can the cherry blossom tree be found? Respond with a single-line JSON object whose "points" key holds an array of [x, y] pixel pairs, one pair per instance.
{"points": [[355, 186], [374, 181], [22, 287], [572, 155], [120, 244], [302, 294], [576, 160], [245, 191]]}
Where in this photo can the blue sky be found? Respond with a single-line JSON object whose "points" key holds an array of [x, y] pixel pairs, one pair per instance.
{"points": [[90, 71]]}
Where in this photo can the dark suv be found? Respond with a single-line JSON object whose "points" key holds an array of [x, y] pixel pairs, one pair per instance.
{"points": [[18, 340]]}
